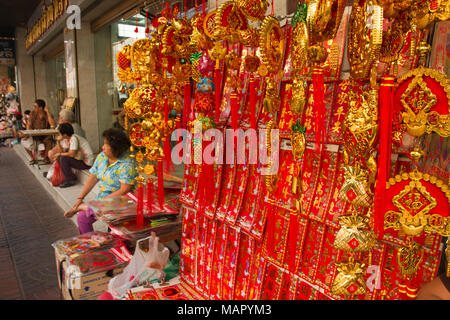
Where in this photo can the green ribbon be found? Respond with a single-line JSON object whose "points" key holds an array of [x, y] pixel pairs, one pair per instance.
{"points": [[195, 56], [299, 15], [297, 127], [207, 122]]}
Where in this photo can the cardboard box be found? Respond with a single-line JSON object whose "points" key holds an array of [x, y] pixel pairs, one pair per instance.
{"points": [[89, 284], [86, 287], [61, 256]]}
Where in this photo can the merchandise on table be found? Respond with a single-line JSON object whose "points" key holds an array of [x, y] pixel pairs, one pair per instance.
{"points": [[81, 244]]}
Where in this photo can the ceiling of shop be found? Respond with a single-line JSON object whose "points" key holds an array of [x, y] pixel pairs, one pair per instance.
{"points": [[15, 13]]}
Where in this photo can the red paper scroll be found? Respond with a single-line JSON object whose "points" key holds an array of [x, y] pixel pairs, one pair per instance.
{"points": [[188, 246], [242, 174], [244, 267], [218, 262], [251, 199], [230, 266], [228, 177], [190, 185]]}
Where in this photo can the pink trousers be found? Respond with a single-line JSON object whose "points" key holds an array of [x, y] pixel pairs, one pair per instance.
{"points": [[85, 221]]}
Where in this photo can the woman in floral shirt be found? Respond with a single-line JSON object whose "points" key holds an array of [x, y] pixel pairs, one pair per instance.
{"points": [[113, 170]]}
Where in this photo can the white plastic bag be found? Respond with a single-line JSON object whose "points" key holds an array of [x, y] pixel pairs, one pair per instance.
{"points": [[143, 267], [50, 172]]}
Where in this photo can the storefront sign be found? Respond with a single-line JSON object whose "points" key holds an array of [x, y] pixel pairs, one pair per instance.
{"points": [[52, 10], [7, 53]]}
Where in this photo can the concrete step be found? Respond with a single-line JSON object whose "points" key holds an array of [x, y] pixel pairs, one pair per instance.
{"points": [[64, 197]]}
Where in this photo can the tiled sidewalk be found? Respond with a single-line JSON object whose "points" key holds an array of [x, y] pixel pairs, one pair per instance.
{"points": [[30, 221]]}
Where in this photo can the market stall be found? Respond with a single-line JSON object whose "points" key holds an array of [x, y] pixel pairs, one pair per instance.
{"points": [[346, 198]]}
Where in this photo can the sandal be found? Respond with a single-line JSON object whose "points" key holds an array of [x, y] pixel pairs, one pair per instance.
{"points": [[32, 162]]}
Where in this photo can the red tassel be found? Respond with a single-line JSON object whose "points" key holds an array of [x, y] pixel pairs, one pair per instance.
{"points": [[207, 185], [149, 197], [161, 196], [140, 206], [252, 99], [147, 29], [386, 95], [187, 105], [217, 83], [319, 107], [167, 150], [234, 110]]}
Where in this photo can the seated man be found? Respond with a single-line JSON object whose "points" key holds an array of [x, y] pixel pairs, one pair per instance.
{"points": [[78, 155], [40, 118], [65, 116]]}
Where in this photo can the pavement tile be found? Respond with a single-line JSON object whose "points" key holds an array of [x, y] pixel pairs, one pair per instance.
{"points": [[30, 221]]}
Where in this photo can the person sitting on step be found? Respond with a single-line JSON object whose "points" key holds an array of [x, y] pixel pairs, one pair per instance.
{"points": [[78, 155], [113, 170]]}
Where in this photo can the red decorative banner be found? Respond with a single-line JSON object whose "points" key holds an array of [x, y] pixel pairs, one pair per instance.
{"points": [[257, 230], [218, 264], [257, 274], [190, 185], [210, 210], [272, 282], [230, 267], [287, 118], [311, 168], [311, 250], [327, 260], [244, 267], [209, 255], [252, 199], [326, 183], [309, 116], [283, 193], [276, 235], [297, 233], [188, 246], [246, 116], [304, 291], [239, 188], [202, 228], [226, 190], [340, 108], [336, 207], [288, 287]]}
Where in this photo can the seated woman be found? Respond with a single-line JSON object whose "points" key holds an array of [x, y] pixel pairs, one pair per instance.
{"points": [[78, 154], [113, 170]]}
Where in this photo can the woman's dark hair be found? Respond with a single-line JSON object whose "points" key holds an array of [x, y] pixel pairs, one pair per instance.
{"points": [[27, 112], [41, 103], [65, 129], [118, 141]]}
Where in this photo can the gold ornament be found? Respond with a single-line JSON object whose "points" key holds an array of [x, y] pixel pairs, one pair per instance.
{"points": [[251, 63], [229, 21], [298, 143], [355, 189], [272, 101], [414, 203], [253, 9], [217, 53], [355, 234], [299, 58], [409, 259], [323, 19], [350, 279], [209, 24], [271, 44], [270, 180], [418, 100], [364, 41]]}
